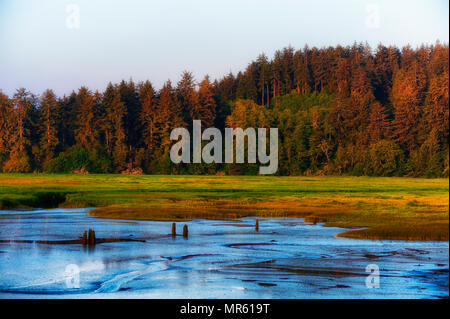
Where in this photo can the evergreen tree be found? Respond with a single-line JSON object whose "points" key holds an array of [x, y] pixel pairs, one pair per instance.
{"points": [[207, 104], [129, 96], [86, 132], [6, 127], [24, 107], [188, 98], [49, 120], [378, 127], [407, 102], [149, 116]]}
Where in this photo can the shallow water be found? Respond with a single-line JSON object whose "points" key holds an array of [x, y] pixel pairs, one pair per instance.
{"points": [[286, 258]]}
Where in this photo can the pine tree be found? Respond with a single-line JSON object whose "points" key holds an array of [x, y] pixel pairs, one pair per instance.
{"points": [[206, 102], [301, 73], [361, 98], [129, 96], [113, 127], [407, 100], [49, 119], [438, 112], [86, 119], [106, 121], [386, 63], [24, 107], [264, 74], [343, 77], [275, 76], [188, 98], [378, 127], [287, 67], [68, 118], [120, 149], [170, 112], [149, 116], [6, 127]]}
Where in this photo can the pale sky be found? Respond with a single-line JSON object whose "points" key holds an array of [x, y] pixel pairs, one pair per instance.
{"points": [[43, 46]]}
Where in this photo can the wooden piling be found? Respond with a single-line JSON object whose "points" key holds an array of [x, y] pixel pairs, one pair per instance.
{"points": [[185, 231], [91, 237], [174, 230], [84, 239], [257, 225]]}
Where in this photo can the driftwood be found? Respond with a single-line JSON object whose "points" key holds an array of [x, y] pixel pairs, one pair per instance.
{"points": [[71, 241], [87, 239]]}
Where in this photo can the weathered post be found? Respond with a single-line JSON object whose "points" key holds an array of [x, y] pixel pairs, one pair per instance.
{"points": [[174, 230], [84, 239], [185, 231], [257, 225], [91, 237]]}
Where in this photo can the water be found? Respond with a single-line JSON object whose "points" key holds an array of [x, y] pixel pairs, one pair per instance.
{"points": [[287, 258]]}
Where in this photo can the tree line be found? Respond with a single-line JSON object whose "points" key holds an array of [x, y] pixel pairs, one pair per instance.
{"points": [[339, 110]]}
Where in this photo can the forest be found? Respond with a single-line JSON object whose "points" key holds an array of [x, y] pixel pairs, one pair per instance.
{"points": [[344, 110]]}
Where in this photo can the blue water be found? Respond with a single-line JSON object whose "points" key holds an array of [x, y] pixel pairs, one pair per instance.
{"points": [[286, 258]]}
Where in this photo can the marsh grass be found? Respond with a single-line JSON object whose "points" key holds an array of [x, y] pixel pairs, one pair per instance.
{"points": [[388, 208]]}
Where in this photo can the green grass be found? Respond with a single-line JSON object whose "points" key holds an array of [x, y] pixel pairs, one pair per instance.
{"points": [[389, 208]]}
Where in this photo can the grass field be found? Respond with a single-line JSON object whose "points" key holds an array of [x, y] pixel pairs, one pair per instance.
{"points": [[387, 208]]}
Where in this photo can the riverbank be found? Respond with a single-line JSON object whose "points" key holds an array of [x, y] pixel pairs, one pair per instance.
{"points": [[386, 208]]}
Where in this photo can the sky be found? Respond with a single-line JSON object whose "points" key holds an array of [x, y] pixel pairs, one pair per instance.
{"points": [[65, 44]]}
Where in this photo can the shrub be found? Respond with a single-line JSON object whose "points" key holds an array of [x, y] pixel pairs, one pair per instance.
{"points": [[133, 171], [384, 158], [77, 159], [18, 163]]}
